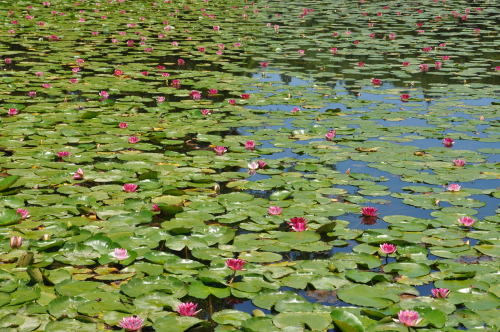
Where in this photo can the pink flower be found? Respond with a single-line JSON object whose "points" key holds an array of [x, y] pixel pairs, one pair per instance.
{"points": [[274, 210], [301, 52], [212, 92], [176, 84], [73, 80], [333, 50], [78, 175], [144, 73], [330, 135], [369, 211], [216, 28], [46, 86], [392, 36], [298, 224], [62, 154], [195, 94], [130, 43], [427, 49], [376, 81], [406, 63], [459, 162], [181, 62], [133, 139], [130, 187], [262, 164], [440, 293], [405, 97], [155, 208], [245, 96], [454, 187], [445, 57], [122, 125], [467, 221], [409, 317], [32, 94], [264, 64], [187, 309], [448, 142], [12, 111], [235, 264], [118, 72], [165, 74], [252, 167], [39, 73], [388, 248], [8, 61], [120, 254], [104, 94], [23, 213], [249, 145], [220, 150], [206, 112], [80, 61], [295, 110], [232, 101], [424, 67], [16, 242], [361, 64], [160, 99], [438, 65]]}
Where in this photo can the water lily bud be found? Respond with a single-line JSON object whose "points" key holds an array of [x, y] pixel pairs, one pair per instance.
{"points": [[45, 237], [16, 242]]}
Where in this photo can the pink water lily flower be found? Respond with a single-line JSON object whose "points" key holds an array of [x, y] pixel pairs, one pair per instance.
{"points": [[12, 111], [132, 323], [23, 213], [438, 65], [424, 67], [459, 162], [133, 139], [120, 254], [104, 94], [454, 187], [448, 142], [440, 293], [187, 309], [212, 92], [32, 94], [467, 221], [298, 224], [220, 150], [8, 61], [78, 175], [264, 64], [274, 210], [369, 211], [235, 264], [262, 164], [330, 135], [388, 248], [130, 187], [155, 208], [376, 81], [409, 317], [206, 112], [16, 242], [195, 94], [253, 167], [250, 145], [62, 154], [122, 125]]}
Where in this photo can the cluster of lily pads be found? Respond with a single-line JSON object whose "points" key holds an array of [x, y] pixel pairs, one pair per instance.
{"points": [[257, 166]]}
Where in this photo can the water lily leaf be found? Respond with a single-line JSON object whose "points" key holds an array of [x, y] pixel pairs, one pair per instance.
{"points": [[9, 217], [8, 182], [175, 323], [313, 320], [408, 269], [230, 317], [346, 321]]}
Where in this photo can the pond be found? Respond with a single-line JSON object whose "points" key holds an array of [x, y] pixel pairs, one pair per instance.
{"points": [[253, 166]]}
